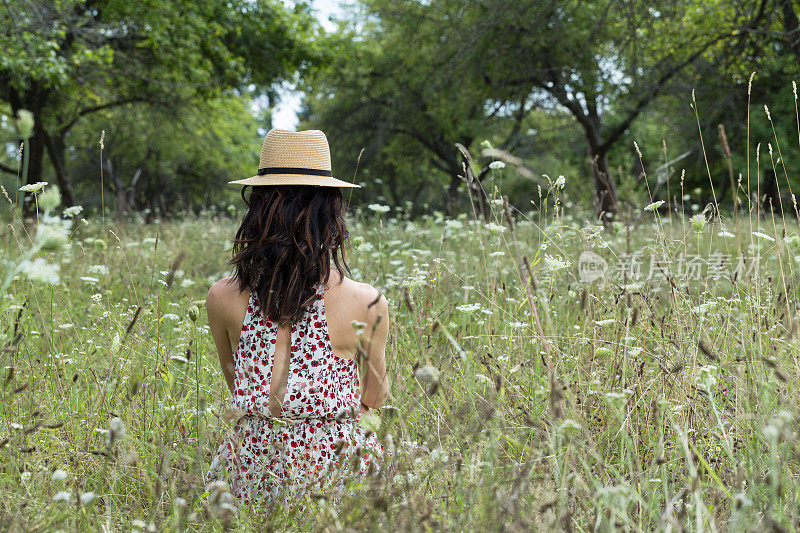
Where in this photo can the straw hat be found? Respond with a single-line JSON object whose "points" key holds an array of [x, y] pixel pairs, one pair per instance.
{"points": [[295, 158]]}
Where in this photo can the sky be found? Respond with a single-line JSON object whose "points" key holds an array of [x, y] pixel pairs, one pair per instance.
{"points": [[284, 115]]}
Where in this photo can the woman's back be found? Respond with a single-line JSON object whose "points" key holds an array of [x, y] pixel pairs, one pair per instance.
{"points": [[298, 401], [356, 319]]}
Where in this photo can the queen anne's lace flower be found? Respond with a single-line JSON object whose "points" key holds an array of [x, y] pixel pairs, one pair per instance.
{"points": [[34, 188], [378, 208]]}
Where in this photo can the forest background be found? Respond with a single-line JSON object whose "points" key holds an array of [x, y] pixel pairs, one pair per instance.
{"points": [[182, 93]]}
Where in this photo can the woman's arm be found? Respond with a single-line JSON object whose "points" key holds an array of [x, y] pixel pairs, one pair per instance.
{"points": [[216, 302], [374, 381]]}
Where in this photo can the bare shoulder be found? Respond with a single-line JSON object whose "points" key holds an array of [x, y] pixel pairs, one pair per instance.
{"points": [[366, 297], [222, 294]]}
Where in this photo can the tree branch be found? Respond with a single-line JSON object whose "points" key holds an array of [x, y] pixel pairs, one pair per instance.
{"points": [[8, 169], [89, 110], [654, 90]]}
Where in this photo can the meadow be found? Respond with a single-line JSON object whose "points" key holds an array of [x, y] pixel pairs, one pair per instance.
{"points": [[526, 394]]}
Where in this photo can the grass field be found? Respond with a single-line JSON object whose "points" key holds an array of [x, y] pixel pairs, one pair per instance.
{"points": [[639, 400]]}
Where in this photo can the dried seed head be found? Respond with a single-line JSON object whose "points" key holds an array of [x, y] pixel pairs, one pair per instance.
{"points": [[427, 374], [221, 502], [116, 430], [726, 150]]}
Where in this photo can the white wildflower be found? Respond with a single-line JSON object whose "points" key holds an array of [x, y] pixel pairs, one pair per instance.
{"points": [[763, 236], [468, 308], [221, 502], [25, 476], [772, 433], [170, 316], [453, 224], [34, 188], [654, 205], [497, 165], [73, 211], [100, 270], [496, 228], [59, 475], [555, 263], [560, 182], [96, 297], [378, 208]]}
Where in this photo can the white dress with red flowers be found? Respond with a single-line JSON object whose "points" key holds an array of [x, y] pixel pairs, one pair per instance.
{"points": [[317, 443]]}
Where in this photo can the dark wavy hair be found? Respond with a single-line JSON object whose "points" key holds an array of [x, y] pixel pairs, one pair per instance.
{"points": [[285, 244]]}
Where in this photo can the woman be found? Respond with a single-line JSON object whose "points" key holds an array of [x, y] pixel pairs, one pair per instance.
{"points": [[300, 344]]}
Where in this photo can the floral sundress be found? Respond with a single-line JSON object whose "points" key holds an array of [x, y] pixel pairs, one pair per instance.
{"points": [[317, 444]]}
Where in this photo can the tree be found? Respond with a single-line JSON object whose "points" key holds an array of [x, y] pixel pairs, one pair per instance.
{"points": [[158, 161], [604, 61], [405, 105], [64, 61]]}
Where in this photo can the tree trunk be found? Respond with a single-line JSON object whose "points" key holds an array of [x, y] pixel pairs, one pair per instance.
{"points": [[605, 193], [35, 146], [118, 189], [56, 148], [791, 26], [452, 193]]}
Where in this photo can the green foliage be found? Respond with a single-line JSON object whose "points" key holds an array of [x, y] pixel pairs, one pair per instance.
{"points": [[179, 157], [65, 61]]}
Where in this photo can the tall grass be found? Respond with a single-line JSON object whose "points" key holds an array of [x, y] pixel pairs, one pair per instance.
{"points": [[663, 403]]}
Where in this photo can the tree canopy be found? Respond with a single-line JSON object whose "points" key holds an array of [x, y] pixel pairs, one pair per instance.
{"points": [[552, 87], [65, 61]]}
